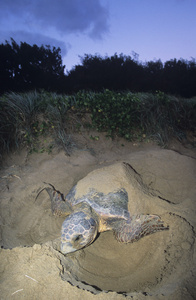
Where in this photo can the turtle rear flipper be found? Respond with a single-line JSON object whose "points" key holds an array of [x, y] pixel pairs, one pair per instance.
{"points": [[59, 206], [138, 226]]}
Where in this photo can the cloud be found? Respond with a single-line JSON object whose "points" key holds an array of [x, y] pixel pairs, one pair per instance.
{"points": [[34, 38], [52, 22], [64, 16]]}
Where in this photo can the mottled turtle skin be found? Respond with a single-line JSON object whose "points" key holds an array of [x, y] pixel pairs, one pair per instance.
{"points": [[96, 212]]}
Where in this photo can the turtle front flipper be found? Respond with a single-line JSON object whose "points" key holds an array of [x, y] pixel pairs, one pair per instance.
{"points": [[138, 226], [59, 206]]}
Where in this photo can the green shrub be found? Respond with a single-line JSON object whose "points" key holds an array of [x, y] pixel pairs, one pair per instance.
{"points": [[131, 115], [26, 116], [113, 112]]}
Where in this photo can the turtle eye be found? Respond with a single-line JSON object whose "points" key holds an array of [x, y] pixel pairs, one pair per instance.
{"points": [[77, 238]]}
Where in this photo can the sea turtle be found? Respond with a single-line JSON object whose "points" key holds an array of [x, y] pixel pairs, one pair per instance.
{"points": [[98, 203]]}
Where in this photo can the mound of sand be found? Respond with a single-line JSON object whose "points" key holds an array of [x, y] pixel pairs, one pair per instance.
{"points": [[159, 266]]}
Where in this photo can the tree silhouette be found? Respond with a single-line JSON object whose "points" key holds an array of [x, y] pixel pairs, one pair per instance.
{"points": [[25, 67], [120, 72], [97, 73], [180, 77]]}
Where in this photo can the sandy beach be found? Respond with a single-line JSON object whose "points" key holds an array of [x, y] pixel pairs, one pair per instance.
{"points": [[159, 266]]}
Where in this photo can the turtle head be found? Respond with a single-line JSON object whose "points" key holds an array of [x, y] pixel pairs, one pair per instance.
{"points": [[78, 231]]}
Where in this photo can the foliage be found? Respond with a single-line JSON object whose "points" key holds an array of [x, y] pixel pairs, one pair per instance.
{"points": [[120, 72], [18, 118], [126, 114], [57, 114], [112, 112], [25, 67], [25, 117]]}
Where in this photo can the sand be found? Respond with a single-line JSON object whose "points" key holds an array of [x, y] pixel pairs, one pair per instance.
{"points": [[159, 266]]}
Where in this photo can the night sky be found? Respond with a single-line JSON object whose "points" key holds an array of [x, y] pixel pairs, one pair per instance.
{"points": [[154, 29]]}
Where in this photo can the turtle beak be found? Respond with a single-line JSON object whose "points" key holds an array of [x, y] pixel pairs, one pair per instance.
{"points": [[67, 248]]}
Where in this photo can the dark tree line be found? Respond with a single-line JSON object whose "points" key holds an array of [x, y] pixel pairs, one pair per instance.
{"points": [[120, 72], [24, 67]]}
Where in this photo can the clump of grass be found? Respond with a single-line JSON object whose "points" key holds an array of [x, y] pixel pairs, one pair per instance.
{"points": [[64, 140], [18, 116], [24, 107], [163, 116], [156, 116], [8, 136], [26, 116], [57, 114]]}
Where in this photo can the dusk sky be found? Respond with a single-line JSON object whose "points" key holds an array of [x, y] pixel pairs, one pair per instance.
{"points": [[154, 29]]}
